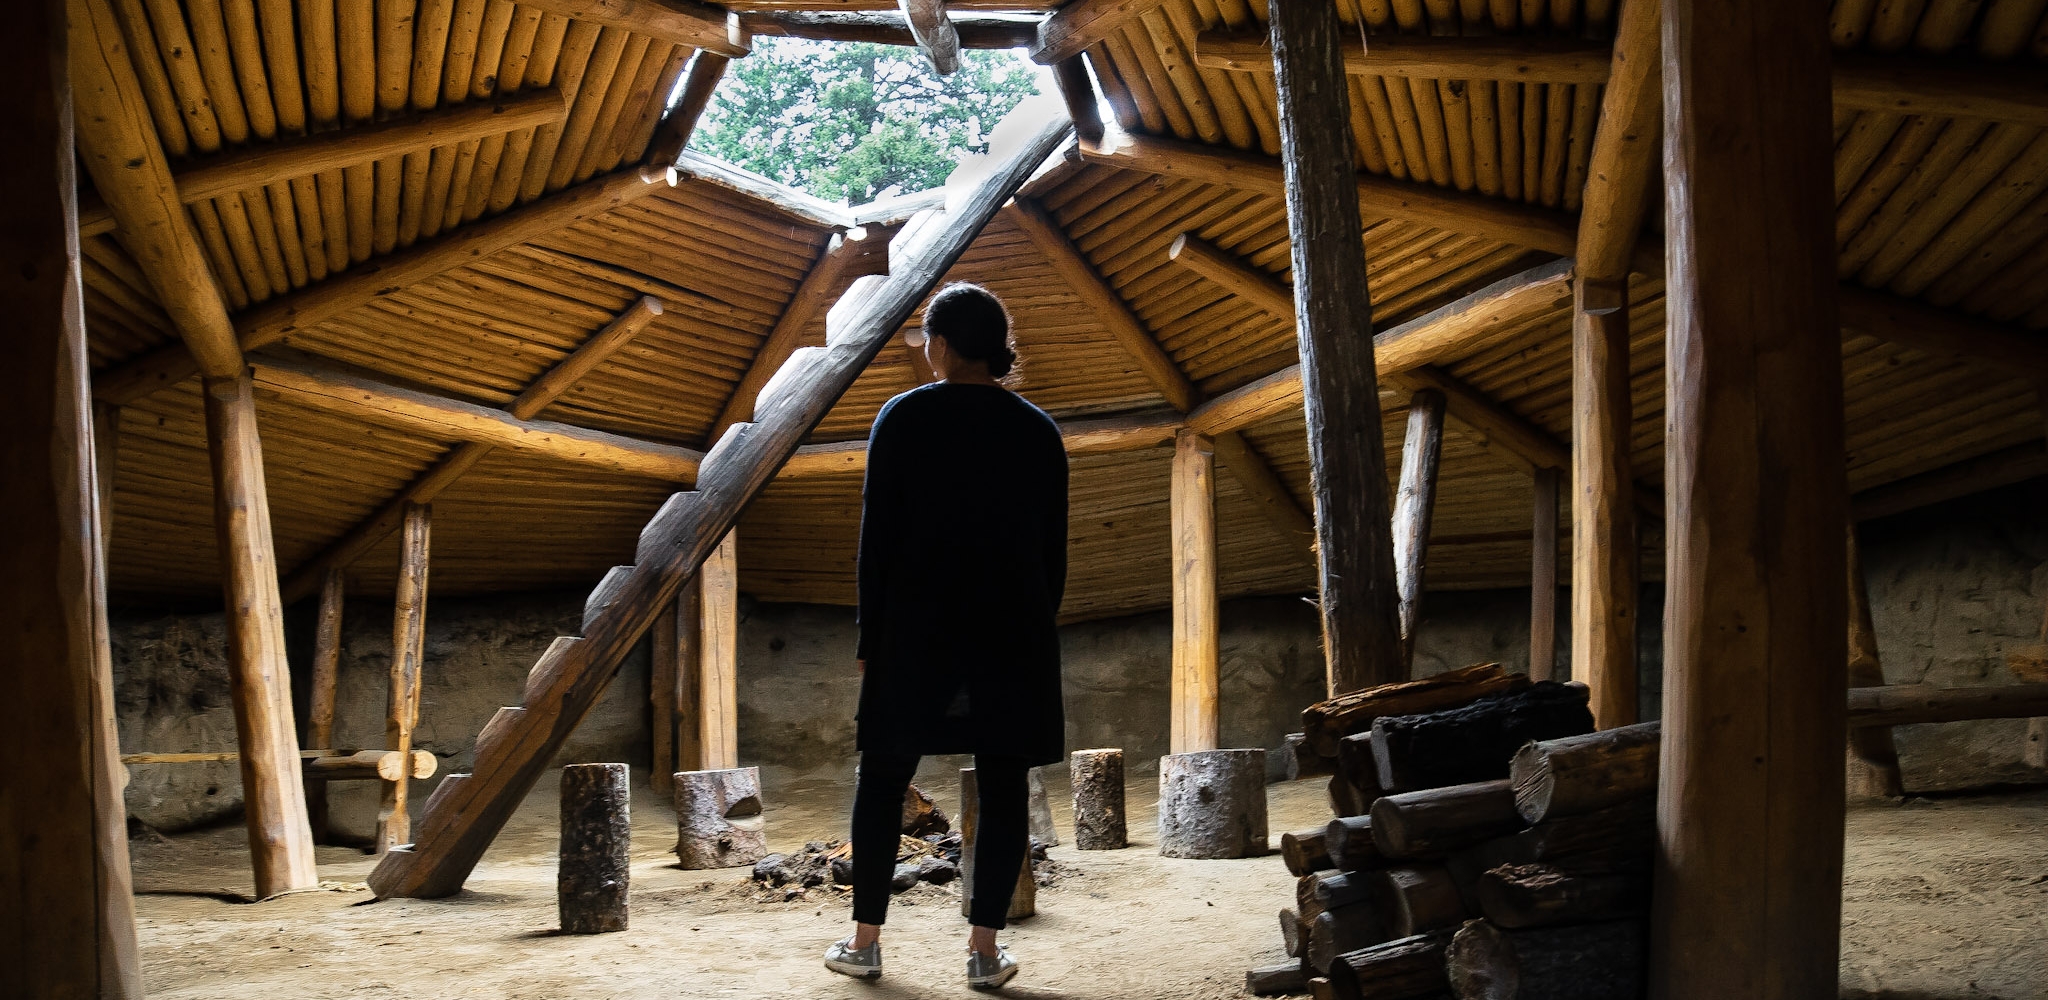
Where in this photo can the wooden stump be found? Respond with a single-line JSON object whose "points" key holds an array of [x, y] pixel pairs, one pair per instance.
{"points": [[1579, 774], [1098, 777], [1212, 804], [718, 818], [597, 840], [1603, 961], [1042, 829], [1024, 900], [1475, 742]]}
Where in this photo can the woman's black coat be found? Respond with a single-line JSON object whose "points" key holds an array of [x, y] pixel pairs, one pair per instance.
{"points": [[963, 559]]}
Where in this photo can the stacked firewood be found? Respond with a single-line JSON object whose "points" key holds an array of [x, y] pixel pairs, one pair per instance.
{"points": [[1488, 844]]}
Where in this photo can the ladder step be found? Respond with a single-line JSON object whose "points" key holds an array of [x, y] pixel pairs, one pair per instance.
{"points": [[906, 244], [839, 319], [544, 670], [722, 452], [505, 721], [792, 372], [677, 507], [607, 591]]}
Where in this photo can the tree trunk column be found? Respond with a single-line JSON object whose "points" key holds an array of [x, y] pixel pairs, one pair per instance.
{"points": [[320, 707], [1333, 323], [273, 798], [1604, 559], [1421, 453], [718, 641], [1755, 647], [408, 648], [1195, 714]]}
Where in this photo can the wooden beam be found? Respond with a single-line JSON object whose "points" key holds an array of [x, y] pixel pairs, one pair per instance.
{"points": [[672, 136], [1543, 577], [439, 416], [1078, 90], [1624, 155], [718, 643], [1755, 633], [320, 701], [1910, 704], [1521, 59], [1196, 718], [374, 279], [1241, 279], [997, 32], [1264, 488], [1414, 504], [273, 799], [256, 165], [1943, 333], [934, 33], [685, 22], [344, 551], [1941, 88], [1333, 323], [68, 929], [1508, 435], [1106, 435], [689, 681], [1873, 756], [408, 651], [1606, 567], [1971, 475], [1077, 26]]}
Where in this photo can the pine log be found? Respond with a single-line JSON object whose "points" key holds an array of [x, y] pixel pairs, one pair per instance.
{"points": [[1326, 722], [1212, 804], [1293, 934], [1435, 822], [1409, 968], [1348, 839], [596, 853], [369, 765], [1098, 778], [1357, 763], [1521, 896], [1579, 774], [1302, 759], [1282, 979], [408, 658], [1619, 838], [1603, 961], [1414, 899], [1476, 742], [1305, 851], [718, 818], [1343, 929]]}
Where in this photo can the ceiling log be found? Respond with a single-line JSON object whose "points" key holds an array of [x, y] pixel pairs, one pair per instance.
{"points": [[1070, 30], [1525, 59], [704, 26], [933, 30], [882, 28]]}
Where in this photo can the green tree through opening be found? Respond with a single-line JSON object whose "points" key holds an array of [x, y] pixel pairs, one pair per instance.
{"points": [[854, 122]]}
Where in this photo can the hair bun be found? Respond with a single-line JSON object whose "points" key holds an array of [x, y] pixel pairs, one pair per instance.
{"points": [[1001, 361]]}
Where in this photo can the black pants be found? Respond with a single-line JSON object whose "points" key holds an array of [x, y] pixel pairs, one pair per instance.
{"points": [[1002, 834]]}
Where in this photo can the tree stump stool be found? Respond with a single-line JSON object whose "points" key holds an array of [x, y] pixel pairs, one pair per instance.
{"points": [[718, 818], [1099, 800], [1024, 901], [594, 863], [1212, 804], [1042, 828]]}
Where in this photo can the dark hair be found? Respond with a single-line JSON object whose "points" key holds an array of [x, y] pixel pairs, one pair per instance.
{"points": [[975, 325]]}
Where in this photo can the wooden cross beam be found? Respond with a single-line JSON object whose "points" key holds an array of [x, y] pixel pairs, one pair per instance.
{"points": [[672, 136], [934, 33], [888, 29], [1080, 24]]}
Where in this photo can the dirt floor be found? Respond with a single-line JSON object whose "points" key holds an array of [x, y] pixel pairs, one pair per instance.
{"points": [[1944, 898]]}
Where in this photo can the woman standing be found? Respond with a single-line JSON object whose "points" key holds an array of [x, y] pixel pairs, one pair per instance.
{"points": [[963, 559]]}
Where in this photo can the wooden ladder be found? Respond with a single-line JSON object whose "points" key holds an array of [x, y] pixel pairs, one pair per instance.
{"points": [[466, 811]]}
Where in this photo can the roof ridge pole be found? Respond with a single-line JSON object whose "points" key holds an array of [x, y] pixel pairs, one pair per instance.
{"points": [[1333, 323]]}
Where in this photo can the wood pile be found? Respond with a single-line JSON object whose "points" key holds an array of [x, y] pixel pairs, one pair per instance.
{"points": [[1510, 858]]}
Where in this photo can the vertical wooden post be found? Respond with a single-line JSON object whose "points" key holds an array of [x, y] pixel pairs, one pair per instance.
{"points": [[68, 929], [689, 676], [1333, 323], [2035, 752], [1604, 558], [661, 699], [1195, 719], [408, 646], [1543, 577], [273, 798], [1873, 757], [320, 706], [106, 449], [1755, 647], [718, 734], [1421, 452]]}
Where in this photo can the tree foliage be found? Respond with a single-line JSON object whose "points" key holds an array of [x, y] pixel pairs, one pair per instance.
{"points": [[856, 122]]}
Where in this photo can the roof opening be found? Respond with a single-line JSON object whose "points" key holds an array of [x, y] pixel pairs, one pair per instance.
{"points": [[854, 122]]}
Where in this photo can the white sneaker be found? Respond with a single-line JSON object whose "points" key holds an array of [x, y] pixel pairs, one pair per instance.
{"points": [[986, 972], [860, 963]]}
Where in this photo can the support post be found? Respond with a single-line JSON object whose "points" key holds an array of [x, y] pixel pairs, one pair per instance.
{"points": [[718, 642], [1195, 720], [1414, 502], [408, 646], [106, 450], [1333, 322], [689, 684], [1873, 757], [320, 706], [1543, 577], [273, 797], [69, 927], [1755, 648], [1604, 558], [661, 700]]}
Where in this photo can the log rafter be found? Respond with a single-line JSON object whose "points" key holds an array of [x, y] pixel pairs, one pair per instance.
{"points": [[931, 27], [702, 26], [885, 28]]}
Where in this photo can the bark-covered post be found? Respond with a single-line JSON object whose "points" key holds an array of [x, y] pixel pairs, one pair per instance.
{"points": [[594, 869], [1421, 452], [1098, 778]]}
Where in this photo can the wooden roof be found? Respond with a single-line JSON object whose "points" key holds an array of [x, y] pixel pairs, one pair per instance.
{"points": [[1942, 221]]}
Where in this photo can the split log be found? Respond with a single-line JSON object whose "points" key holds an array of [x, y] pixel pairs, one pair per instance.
{"points": [[1305, 851], [1098, 778], [1302, 760], [1522, 896], [1283, 979], [1347, 799], [1360, 766], [1414, 899], [1474, 743], [596, 853], [1042, 829], [921, 815], [1023, 899], [1603, 961], [1348, 839], [1437, 821], [718, 818], [1326, 722], [1305, 902], [1212, 804], [1618, 838], [1341, 930], [1408, 968], [1579, 774], [1293, 934], [367, 765]]}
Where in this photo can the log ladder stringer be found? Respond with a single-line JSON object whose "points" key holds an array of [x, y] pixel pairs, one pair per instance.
{"points": [[466, 811]]}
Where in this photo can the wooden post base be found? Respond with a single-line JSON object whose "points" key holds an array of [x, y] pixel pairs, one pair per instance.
{"points": [[597, 840], [1212, 804], [718, 818], [1098, 777]]}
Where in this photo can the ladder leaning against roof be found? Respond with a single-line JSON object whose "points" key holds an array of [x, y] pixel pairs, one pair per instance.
{"points": [[466, 812]]}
